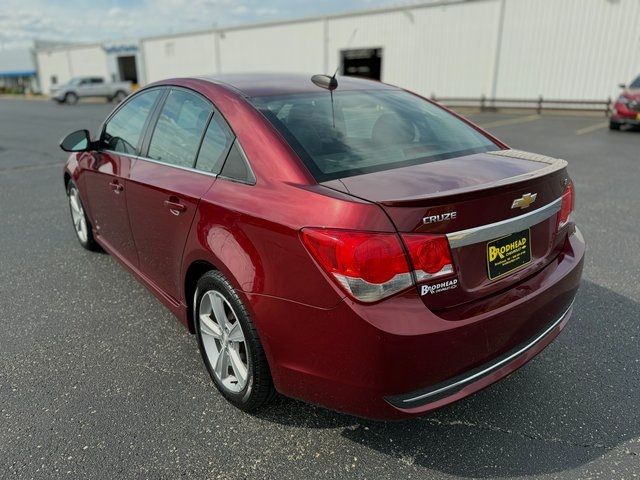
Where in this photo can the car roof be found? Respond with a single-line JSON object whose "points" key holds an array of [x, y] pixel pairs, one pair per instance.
{"points": [[263, 84]]}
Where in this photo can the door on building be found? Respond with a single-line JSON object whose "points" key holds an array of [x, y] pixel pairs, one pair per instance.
{"points": [[127, 69], [362, 62]]}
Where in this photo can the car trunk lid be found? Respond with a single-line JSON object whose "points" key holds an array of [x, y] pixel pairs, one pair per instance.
{"points": [[471, 200]]}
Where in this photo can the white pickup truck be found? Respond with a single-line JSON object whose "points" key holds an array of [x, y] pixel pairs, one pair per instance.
{"points": [[84, 87]]}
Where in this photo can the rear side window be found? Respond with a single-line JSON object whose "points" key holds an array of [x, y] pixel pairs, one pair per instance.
{"points": [[179, 128], [357, 132], [236, 166], [635, 83], [123, 131], [215, 145]]}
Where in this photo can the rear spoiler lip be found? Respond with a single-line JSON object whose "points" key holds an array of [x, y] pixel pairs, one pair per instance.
{"points": [[551, 165]]}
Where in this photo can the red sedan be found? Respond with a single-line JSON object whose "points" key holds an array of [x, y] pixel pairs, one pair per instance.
{"points": [[626, 110], [340, 241]]}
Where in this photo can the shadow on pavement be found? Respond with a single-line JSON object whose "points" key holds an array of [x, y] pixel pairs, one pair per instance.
{"points": [[567, 407]]}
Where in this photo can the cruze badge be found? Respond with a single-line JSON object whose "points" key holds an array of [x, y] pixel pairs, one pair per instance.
{"points": [[524, 201], [441, 217]]}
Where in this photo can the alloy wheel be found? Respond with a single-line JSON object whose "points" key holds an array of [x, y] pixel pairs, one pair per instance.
{"points": [[224, 341], [78, 216]]}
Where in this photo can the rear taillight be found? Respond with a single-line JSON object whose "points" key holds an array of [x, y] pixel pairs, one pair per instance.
{"points": [[370, 266], [566, 207], [430, 255]]}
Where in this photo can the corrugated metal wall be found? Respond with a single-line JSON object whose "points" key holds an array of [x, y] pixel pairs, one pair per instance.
{"points": [[566, 49], [180, 55], [446, 49], [292, 47]]}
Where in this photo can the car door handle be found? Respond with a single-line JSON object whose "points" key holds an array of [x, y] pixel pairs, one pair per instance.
{"points": [[175, 207], [116, 187]]}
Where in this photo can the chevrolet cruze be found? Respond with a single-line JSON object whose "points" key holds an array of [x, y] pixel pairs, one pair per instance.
{"points": [[337, 240]]}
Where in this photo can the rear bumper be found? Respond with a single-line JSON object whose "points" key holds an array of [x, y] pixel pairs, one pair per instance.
{"points": [[396, 359], [420, 398], [627, 117], [626, 121]]}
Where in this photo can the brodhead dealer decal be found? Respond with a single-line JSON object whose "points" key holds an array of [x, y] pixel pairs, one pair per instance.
{"points": [[439, 287]]}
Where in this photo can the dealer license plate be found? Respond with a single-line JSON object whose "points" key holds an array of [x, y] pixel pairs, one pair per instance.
{"points": [[509, 253]]}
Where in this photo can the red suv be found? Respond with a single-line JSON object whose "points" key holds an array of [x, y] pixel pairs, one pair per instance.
{"points": [[626, 110], [340, 241]]}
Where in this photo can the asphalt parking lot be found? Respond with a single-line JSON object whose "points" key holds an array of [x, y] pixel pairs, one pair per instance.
{"points": [[98, 380]]}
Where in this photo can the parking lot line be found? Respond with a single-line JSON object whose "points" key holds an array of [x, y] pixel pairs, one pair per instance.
{"points": [[511, 121], [592, 128]]}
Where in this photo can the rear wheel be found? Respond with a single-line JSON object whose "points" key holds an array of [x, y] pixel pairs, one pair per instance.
{"points": [[71, 98], [81, 223], [614, 125], [229, 344]]}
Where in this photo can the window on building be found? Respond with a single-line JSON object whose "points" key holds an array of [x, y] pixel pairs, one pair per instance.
{"points": [[362, 62]]}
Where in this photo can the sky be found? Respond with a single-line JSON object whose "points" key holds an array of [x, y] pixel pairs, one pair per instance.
{"points": [[22, 21]]}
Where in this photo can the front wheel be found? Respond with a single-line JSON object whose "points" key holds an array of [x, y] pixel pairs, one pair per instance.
{"points": [[81, 223], [614, 125], [229, 344]]}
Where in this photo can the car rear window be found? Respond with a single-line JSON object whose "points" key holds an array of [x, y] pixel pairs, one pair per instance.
{"points": [[360, 132]]}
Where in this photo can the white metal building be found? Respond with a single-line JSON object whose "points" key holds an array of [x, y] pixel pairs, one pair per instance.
{"points": [[568, 49], [564, 49], [57, 64], [17, 71]]}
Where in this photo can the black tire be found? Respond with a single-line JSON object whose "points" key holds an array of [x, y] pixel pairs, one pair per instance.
{"points": [[89, 242], [71, 98], [614, 125], [259, 389], [119, 96]]}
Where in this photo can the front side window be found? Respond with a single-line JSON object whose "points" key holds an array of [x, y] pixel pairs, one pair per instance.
{"points": [[180, 126], [215, 145], [358, 132], [124, 130]]}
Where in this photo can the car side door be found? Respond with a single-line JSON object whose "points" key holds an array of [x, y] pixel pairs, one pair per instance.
{"points": [[98, 87], [164, 187], [84, 88], [106, 170]]}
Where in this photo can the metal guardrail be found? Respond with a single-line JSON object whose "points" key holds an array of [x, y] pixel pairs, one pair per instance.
{"points": [[538, 104]]}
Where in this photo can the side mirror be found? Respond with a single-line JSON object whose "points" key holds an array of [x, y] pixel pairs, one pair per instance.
{"points": [[78, 141], [622, 85]]}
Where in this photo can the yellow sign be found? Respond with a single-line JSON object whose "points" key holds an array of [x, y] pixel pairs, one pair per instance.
{"points": [[508, 253]]}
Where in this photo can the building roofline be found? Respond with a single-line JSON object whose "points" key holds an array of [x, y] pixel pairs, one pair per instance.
{"points": [[73, 46], [106, 45], [275, 23]]}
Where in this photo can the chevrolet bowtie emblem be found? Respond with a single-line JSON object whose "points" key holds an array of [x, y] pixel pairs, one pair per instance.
{"points": [[524, 201]]}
